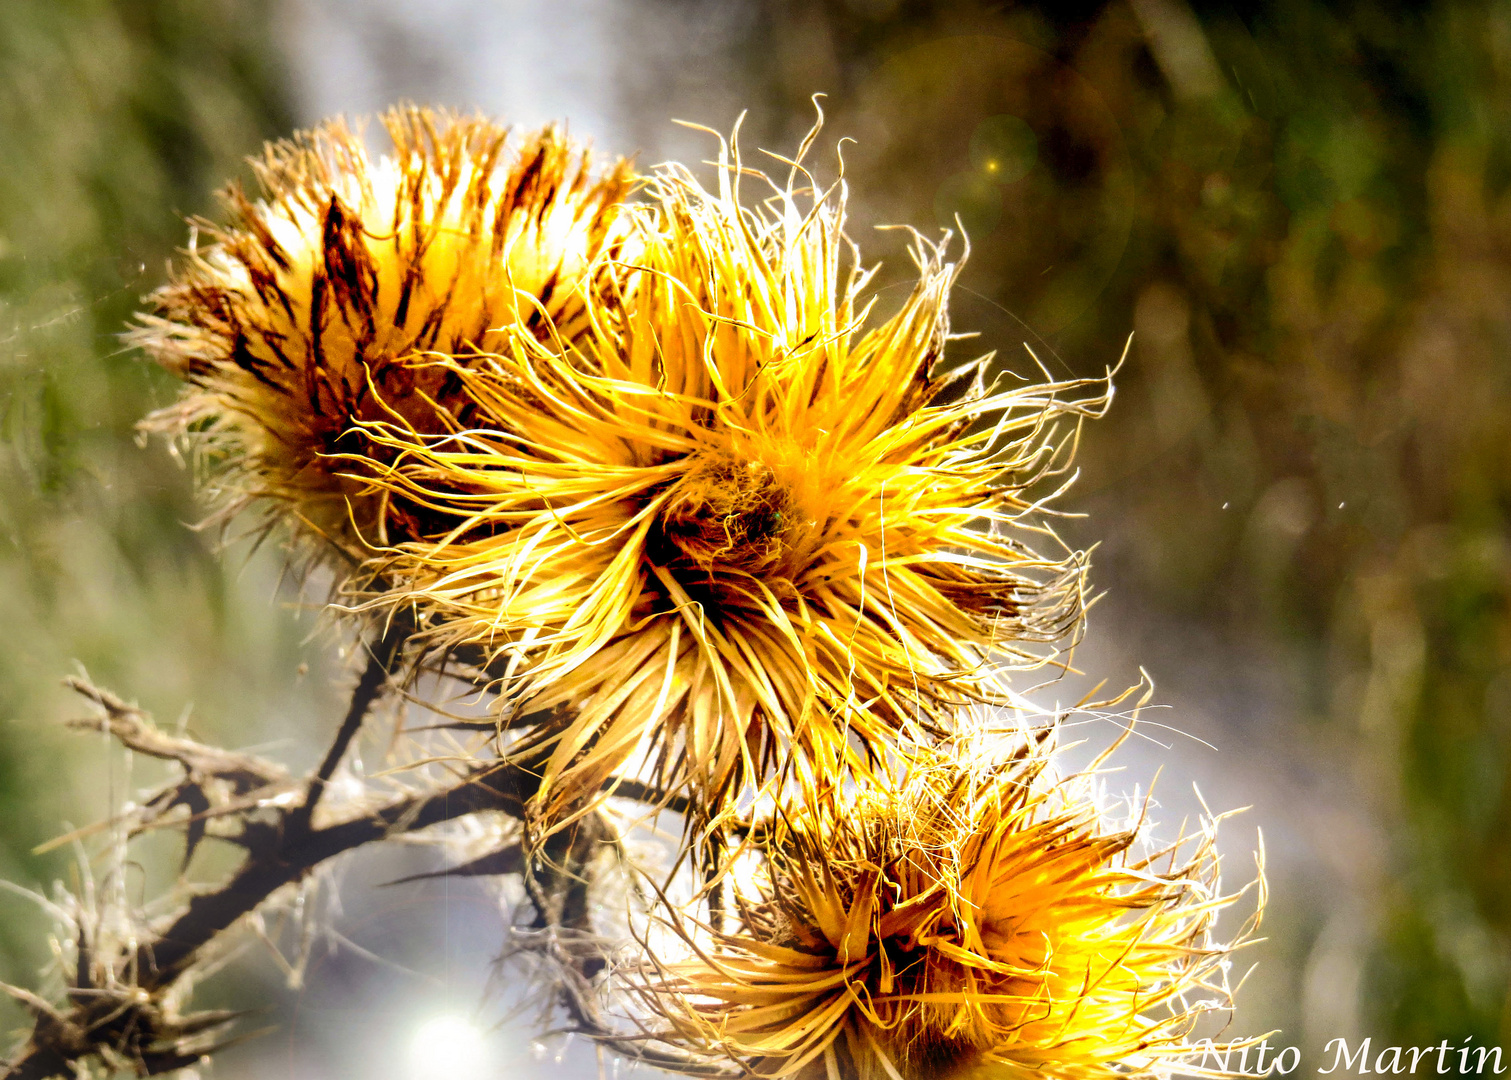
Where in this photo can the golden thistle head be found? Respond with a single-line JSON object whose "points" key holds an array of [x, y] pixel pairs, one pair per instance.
{"points": [[980, 914], [739, 515], [307, 314]]}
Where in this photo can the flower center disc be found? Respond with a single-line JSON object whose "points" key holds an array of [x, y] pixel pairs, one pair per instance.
{"points": [[731, 513]]}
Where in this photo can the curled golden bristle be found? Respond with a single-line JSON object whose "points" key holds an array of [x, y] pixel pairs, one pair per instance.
{"points": [[739, 519], [978, 914], [308, 313]]}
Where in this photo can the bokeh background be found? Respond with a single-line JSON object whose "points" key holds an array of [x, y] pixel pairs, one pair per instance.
{"points": [[1299, 499]]}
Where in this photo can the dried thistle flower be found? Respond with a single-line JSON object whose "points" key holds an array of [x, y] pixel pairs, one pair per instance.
{"points": [[738, 516], [977, 914], [305, 315]]}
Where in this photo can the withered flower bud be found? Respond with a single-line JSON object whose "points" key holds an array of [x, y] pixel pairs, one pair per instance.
{"points": [[312, 310]]}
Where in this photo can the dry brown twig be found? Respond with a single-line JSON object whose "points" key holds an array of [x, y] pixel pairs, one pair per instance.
{"points": [[123, 1006]]}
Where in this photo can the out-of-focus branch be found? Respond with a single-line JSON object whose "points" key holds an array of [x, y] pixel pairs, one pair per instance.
{"points": [[135, 731], [116, 1004], [277, 858], [215, 783], [117, 1007]]}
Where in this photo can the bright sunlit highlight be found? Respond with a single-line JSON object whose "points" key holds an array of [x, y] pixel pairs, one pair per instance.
{"points": [[446, 1048]]}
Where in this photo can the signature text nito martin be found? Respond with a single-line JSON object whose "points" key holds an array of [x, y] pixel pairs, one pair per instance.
{"points": [[1339, 1056]]}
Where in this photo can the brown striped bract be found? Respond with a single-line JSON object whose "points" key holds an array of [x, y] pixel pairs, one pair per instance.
{"points": [[316, 306]]}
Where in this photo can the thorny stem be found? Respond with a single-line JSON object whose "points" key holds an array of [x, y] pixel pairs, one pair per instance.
{"points": [[284, 852], [500, 788], [381, 656], [281, 860]]}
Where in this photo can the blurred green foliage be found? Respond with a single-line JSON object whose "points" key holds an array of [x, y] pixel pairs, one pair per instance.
{"points": [[117, 118], [1304, 210]]}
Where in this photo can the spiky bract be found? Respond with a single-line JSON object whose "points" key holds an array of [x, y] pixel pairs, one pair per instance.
{"points": [[304, 315], [739, 517], [978, 914]]}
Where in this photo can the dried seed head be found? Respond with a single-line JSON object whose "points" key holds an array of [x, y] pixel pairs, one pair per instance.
{"points": [[739, 519], [977, 914], [307, 313], [732, 513]]}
